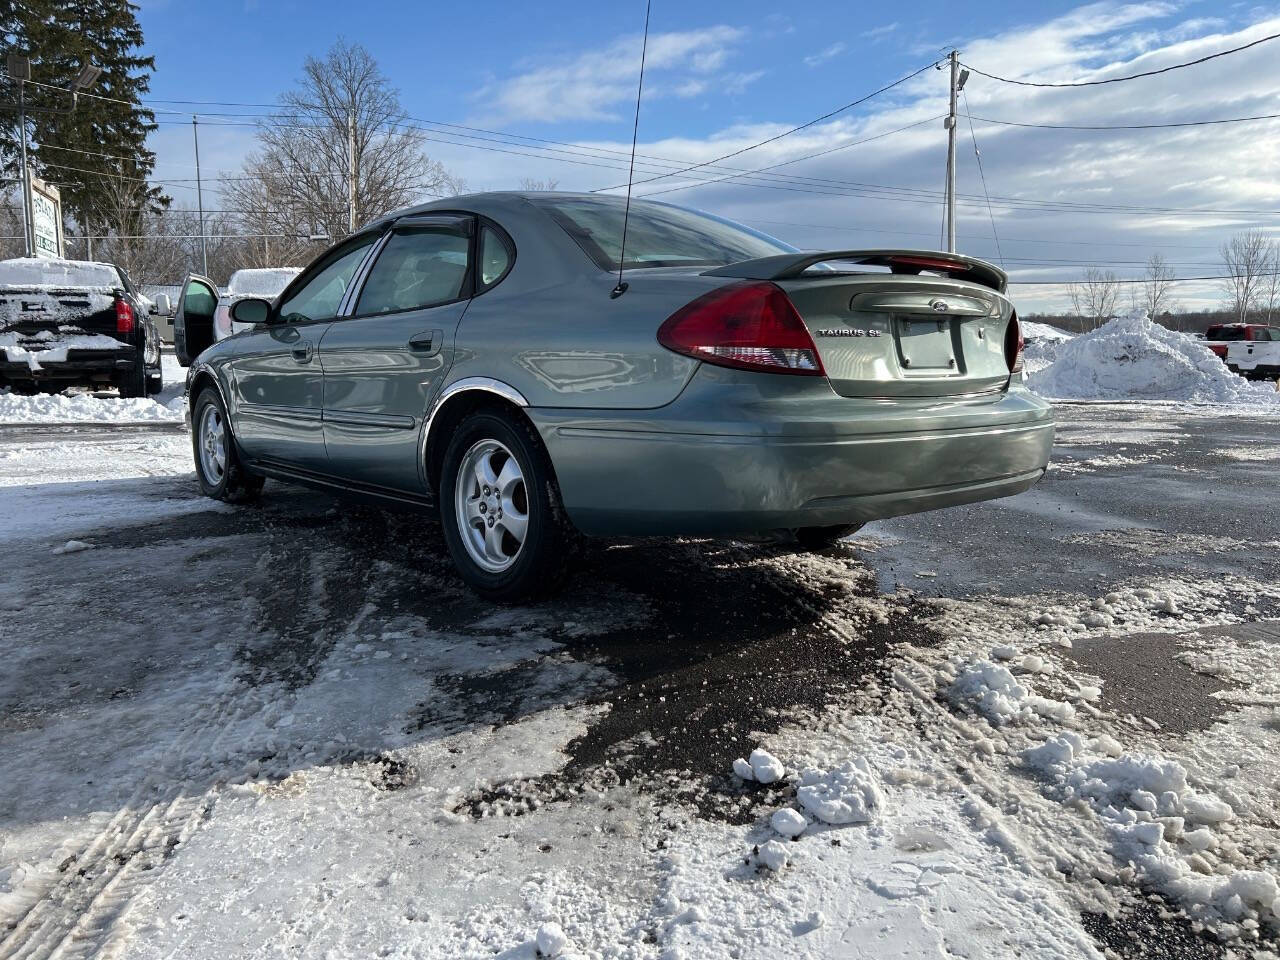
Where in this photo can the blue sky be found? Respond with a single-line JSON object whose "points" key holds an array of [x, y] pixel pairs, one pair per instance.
{"points": [[725, 75]]}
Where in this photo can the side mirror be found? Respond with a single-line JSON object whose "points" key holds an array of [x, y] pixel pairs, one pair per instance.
{"points": [[162, 305], [250, 310]]}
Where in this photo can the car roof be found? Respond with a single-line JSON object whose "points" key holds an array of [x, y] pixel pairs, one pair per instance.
{"points": [[491, 201]]}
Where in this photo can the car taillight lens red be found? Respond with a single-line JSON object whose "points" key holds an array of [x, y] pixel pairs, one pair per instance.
{"points": [[1013, 345], [124, 317], [749, 325]]}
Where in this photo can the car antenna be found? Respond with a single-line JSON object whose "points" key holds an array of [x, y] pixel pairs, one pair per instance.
{"points": [[621, 288]]}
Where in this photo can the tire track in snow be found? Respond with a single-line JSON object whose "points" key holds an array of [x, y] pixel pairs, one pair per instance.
{"points": [[76, 916]]}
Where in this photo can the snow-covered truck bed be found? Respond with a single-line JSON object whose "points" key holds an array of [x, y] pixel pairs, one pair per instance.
{"points": [[73, 322]]}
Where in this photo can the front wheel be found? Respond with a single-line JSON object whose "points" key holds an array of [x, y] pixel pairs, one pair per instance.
{"points": [[500, 508], [218, 466]]}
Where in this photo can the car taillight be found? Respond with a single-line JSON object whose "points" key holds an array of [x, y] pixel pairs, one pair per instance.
{"points": [[749, 325], [124, 317], [1013, 345]]}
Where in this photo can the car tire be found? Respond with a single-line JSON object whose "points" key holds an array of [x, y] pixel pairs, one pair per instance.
{"points": [[133, 382], [822, 538], [218, 467], [510, 539]]}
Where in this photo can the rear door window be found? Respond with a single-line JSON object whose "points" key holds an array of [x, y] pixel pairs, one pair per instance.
{"points": [[420, 266], [1225, 334]]}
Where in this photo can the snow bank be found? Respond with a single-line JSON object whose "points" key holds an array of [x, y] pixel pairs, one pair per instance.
{"points": [[1043, 343], [83, 408], [1131, 358]]}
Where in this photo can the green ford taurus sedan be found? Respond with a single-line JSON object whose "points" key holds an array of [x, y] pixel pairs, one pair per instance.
{"points": [[488, 356]]}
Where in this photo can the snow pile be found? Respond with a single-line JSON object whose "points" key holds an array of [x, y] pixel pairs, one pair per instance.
{"points": [[550, 940], [762, 767], [849, 793], [1131, 358], [1164, 827], [84, 408], [788, 822], [991, 691], [1042, 344]]}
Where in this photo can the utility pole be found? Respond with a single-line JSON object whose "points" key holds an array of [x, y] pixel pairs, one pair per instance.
{"points": [[351, 171], [28, 239], [204, 253], [951, 153]]}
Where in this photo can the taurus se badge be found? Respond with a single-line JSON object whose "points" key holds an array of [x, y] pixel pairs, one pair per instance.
{"points": [[846, 332]]}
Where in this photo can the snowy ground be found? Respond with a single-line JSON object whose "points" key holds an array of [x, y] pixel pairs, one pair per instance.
{"points": [[1044, 727]]}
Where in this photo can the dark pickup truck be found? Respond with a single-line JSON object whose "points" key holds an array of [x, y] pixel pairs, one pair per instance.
{"points": [[75, 322]]}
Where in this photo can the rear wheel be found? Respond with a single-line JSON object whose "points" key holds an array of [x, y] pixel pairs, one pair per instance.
{"points": [[133, 382], [218, 467], [820, 538], [500, 508]]}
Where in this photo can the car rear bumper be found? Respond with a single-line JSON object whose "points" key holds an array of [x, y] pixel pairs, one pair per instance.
{"points": [[79, 366], [772, 462]]}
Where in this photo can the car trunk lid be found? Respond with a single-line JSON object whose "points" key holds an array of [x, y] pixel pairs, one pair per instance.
{"points": [[933, 325]]}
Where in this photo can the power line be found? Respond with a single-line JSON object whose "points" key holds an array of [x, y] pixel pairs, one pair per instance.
{"points": [[1225, 276], [1132, 76], [1128, 126], [787, 133], [978, 155]]}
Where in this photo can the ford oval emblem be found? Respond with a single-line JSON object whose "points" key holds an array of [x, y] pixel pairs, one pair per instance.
{"points": [[939, 306]]}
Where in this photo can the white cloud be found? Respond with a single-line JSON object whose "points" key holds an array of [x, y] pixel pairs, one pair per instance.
{"points": [[877, 33], [822, 56], [594, 85]]}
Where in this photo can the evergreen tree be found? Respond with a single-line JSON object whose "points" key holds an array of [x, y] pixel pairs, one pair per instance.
{"points": [[67, 146]]}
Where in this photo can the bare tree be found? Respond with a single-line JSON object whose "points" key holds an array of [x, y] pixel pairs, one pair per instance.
{"points": [[1157, 287], [531, 185], [1269, 286], [1094, 298], [1245, 256], [298, 182]]}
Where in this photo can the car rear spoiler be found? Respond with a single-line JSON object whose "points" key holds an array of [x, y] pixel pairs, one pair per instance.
{"points": [[789, 266]]}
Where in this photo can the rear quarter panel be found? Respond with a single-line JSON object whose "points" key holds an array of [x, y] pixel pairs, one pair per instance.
{"points": [[551, 329]]}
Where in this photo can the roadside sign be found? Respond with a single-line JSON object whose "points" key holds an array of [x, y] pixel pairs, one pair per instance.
{"points": [[46, 219]]}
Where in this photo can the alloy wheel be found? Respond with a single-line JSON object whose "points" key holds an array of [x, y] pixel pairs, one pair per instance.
{"points": [[491, 502]]}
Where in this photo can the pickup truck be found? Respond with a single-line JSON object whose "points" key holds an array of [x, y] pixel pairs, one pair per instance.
{"points": [[76, 322], [1251, 350]]}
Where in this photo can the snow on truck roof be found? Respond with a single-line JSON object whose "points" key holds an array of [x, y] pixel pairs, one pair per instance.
{"points": [[263, 281], [40, 272]]}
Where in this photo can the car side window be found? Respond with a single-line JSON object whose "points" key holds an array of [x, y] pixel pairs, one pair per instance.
{"points": [[418, 267], [495, 257], [319, 297], [198, 300]]}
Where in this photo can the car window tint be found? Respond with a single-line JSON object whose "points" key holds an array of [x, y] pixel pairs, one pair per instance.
{"points": [[318, 298], [658, 234], [198, 300], [418, 267], [495, 258]]}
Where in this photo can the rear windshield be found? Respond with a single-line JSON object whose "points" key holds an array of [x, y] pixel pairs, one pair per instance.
{"points": [[1225, 333], [658, 234]]}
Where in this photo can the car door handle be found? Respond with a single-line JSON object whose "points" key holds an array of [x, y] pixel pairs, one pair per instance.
{"points": [[427, 342], [302, 352]]}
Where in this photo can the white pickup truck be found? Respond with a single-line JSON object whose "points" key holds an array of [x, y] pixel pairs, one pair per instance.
{"points": [[1250, 349]]}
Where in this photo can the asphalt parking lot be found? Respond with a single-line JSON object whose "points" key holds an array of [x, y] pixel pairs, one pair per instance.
{"points": [[152, 639]]}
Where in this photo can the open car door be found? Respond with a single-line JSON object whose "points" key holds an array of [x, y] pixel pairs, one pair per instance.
{"points": [[193, 320]]}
